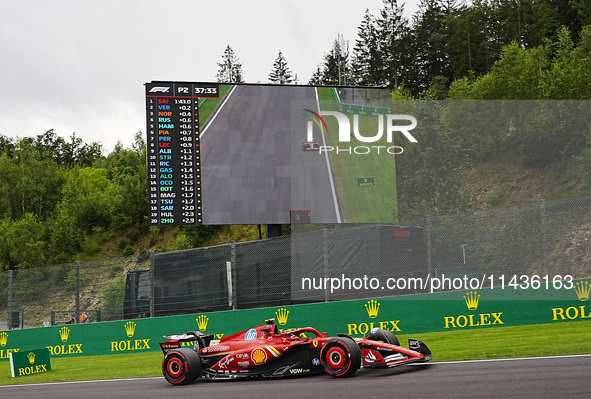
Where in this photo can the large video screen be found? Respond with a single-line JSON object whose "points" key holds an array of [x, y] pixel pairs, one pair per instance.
{"points": [[287, 154], [271, 154]]}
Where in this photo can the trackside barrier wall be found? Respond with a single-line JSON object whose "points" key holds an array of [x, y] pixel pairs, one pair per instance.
{"points": [[411, 314], [367, 109]]}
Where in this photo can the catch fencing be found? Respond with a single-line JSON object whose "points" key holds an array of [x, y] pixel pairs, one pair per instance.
{"points": [[316, 263]]}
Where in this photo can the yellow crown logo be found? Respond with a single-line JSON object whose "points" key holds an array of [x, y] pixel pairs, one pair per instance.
{"points": [[130, 328], [258, 356], [64, 333], [202, 322], [3, 339], [31, 357], [582, 289], [282, 315], [372, 307], [472, 299]]}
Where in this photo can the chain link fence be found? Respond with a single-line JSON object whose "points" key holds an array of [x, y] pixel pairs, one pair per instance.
{"points": [[79, 292], [315, 263]]}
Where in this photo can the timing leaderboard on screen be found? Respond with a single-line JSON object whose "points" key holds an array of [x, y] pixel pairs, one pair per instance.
{"points": [[174, 181]]}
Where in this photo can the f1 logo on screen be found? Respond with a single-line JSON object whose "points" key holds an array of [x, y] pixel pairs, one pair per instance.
{"points": [[159, 89]]}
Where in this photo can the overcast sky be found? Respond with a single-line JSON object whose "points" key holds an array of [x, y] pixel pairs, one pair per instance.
{"points": [[80, 65]]}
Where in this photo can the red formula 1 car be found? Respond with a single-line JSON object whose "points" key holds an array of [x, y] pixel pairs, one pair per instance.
{"points": [[263, 351], [310, 145]]}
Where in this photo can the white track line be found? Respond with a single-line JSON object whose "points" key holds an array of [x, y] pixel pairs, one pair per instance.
{"points": [[332, 184], [81, 382], [414, 364], [501, 360], [226, 97]]}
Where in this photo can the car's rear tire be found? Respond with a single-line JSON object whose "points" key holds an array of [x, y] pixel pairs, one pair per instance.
{"points": [[381, 335], [181, 366], [340, 357]]}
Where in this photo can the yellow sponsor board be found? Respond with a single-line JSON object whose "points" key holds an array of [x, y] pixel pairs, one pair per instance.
{"points": [[65, 348], [5, 352], [372, 308], [472, 299], [128, 345], [582, 290], [27, 363]]}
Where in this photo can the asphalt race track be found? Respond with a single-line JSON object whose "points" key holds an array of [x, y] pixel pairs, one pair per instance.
{"points": [[253, 167], [548, 377]]}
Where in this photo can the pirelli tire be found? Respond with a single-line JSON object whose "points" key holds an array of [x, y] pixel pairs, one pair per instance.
{"points": [[381, 335], [340, 357], [181, 366]]}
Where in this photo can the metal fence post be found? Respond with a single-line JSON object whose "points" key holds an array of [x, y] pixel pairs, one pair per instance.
{"points": [[10, 279], [544, 238], [429, 247], [325, 261], [77, 292], [234, 279], [151, 283]]}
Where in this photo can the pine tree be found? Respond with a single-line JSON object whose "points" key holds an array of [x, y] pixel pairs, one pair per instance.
{"points": [[281, 74], [430, 47], [230, 69], [367, 61], [316, 78], [392, 33]]}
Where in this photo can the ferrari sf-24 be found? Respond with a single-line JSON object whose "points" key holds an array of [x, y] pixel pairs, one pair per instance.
{"points": [[264, 351]]}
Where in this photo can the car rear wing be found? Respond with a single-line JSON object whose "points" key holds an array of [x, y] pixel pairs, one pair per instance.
{"points": [[175, 341]]}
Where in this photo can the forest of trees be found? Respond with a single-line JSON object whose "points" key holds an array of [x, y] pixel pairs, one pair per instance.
{"points": [[55, 194], [447, 40], [61, 200]]}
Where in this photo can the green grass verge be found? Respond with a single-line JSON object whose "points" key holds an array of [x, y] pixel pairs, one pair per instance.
{"points": [[361, 204], [567, 338], [209, 105]]}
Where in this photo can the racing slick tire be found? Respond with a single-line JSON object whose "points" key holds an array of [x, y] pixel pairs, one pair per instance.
{"points": [[381, 335], [181, 366], [340, 357]]}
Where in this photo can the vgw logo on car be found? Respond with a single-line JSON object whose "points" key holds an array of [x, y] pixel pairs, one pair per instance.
{"points": [[345, 132]]}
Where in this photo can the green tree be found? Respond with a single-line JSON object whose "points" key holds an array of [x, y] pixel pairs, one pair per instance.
{"points": [[366, 64], [22, 243], [7, 146], [86, 196], [393, 31], [28, 185], [429, 175], [583, 9], [316, 78], [230, 69], [65, 153], [280, 74], [429, 44]]}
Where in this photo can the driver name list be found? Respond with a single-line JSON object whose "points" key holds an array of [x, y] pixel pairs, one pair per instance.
{"points": [[173, 153]]}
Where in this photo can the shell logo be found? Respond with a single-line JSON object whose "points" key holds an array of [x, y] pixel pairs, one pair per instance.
{"points": [[258, 356]]}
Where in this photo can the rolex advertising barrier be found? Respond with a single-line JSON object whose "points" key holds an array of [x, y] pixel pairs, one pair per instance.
{"points": [[549, 302]]}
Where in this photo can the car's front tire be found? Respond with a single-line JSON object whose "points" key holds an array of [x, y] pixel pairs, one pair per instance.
{"points": [[340, 357], [181, 366]]}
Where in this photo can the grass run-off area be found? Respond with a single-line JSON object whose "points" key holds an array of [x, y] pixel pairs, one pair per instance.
{"points": [[568, 338], [361, 203]]}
